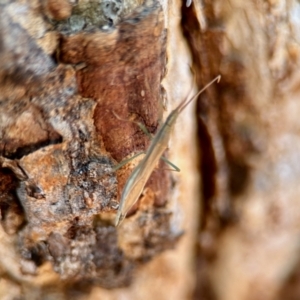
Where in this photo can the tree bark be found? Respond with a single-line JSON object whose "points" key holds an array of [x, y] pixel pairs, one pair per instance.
{"points": [[74, 80], [249, 233]]}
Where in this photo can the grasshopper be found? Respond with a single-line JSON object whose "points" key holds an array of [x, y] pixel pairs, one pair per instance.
{"points": [[138, 178]]}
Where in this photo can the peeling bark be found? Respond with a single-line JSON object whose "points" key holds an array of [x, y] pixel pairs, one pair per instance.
{"points": [[74, 79], [60, 139]]}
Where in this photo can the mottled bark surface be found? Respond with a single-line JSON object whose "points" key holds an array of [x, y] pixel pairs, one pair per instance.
{"points": [[67, 118], [74, 77]]}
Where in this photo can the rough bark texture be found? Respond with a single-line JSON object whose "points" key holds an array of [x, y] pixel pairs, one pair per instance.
{"points": [[74, 79], [65, 124]]}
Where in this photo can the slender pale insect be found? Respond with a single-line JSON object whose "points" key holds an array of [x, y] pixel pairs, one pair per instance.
{"points": [[140, 175]]}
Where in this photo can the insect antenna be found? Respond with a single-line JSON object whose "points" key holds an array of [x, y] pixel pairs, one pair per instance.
{"points": [[183, 105]]}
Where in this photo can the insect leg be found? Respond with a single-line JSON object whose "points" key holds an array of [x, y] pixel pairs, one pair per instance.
{"points": [[125, 161], [141, 126], [175, 168]]}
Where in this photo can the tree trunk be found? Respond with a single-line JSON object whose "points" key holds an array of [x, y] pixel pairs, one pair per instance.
{"points": [[75, 78]]}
